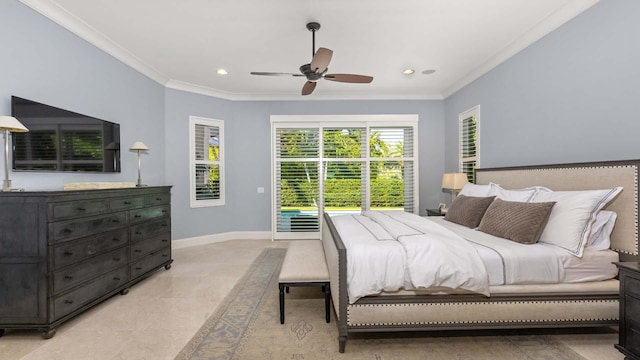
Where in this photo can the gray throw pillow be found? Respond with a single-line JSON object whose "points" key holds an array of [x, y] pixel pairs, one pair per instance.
{"points": [[468, 210], [521, 222]]}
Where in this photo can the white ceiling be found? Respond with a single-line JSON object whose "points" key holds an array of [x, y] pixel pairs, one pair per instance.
{"points": [[182, 43]]}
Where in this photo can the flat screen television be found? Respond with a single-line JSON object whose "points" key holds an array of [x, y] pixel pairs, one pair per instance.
{"points": [[62, 140]]}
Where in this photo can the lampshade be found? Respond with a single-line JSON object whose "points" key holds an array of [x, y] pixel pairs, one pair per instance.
{"points": [[454, 181], [138, 146], [12, 124], [114, 145]]}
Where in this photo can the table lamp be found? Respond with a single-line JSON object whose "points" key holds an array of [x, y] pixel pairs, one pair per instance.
{"points": [[453, 182], [9, 124], [139, 146]]}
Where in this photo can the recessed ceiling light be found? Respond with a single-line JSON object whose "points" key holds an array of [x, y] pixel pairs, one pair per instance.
{"points": [[428, 72], [408, 71], [222, 72]]}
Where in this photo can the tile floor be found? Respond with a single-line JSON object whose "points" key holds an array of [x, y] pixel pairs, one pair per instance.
{"points": [[160, 314]]}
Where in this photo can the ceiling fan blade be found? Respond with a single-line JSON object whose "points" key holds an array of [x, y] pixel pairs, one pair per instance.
{"points": [[321, 60], [308, 87], [274, 73], [349, 78]]}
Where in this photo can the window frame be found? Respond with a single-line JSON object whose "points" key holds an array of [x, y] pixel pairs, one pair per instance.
{"points": [[331, 121], [472, 112], [193, 121]]}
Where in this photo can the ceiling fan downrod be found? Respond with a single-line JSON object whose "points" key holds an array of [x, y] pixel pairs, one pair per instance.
{"points": [[313, 27]]}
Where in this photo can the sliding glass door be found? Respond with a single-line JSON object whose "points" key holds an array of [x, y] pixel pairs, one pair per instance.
{"points": [[340, 167]]}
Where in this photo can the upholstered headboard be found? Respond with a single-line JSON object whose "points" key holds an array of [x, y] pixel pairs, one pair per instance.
{"points": [[584, 176]]}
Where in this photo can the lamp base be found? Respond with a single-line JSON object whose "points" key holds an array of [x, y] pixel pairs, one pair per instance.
{"points": [[140, 185]]}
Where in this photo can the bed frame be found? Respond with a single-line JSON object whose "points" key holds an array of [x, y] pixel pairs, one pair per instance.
{"points": [[516, 306]]}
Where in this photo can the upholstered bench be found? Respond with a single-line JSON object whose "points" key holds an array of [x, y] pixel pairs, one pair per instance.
{"points": [[304, 265]]}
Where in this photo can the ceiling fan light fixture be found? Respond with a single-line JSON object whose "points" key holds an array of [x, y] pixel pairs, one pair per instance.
{"points": [[222, 72], [408, 71]]}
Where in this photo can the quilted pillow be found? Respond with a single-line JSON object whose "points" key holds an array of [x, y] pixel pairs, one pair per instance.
{"points": [[468, 210], [521, 222]]}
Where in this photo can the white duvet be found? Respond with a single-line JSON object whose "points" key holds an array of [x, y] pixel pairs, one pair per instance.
{"points": [[387, 251], [392, 250]]}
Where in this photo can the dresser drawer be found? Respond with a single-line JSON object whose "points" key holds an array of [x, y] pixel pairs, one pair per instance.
{"points": [[126, 203], [69, 277], [143, 231], [67, 230], [145, 214], [72, 252], [158, 199], [150, 262], [65, 304], [140, 248], [70, 209]]}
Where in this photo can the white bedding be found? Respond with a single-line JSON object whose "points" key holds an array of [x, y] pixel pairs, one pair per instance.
{"points": [[393, 250]]}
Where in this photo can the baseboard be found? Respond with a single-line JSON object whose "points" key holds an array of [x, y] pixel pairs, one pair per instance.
{"points": [[216, 238]]}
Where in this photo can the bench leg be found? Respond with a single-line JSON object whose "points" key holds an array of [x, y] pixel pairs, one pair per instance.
{"points": [[327, 301], [281, 286]]}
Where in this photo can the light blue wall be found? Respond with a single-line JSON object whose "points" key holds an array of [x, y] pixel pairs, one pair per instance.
{"points": [[570, 97], [42, 61], [248, 162]]}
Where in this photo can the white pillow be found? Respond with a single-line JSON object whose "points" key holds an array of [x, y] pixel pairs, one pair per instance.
{"points": [[600, 236], [470, 189], [572, 217], [521, 195]]}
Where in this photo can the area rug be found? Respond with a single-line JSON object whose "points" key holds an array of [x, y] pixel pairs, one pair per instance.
{"points": [[246, 326]]}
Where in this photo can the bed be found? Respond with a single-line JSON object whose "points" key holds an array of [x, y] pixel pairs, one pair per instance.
{"points": [[565, 304]]}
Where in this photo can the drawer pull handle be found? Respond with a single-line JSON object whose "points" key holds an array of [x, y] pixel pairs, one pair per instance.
{"points": [[158, 199], [164, 211], [68, 302], [137, 250], [137, 216], [127, 202], [164, 224], [165, 240], [68, 277], [67, 231], [116, 259], [165, 255], [138, 268], [115, 240], [81, 209], [115, 221], [138, 233], [68, 253], [117, 278]]}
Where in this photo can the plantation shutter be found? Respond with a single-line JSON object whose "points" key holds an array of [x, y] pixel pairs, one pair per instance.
{"points": [[468, 146], [207, 170], [345, 181], [392, 168], [297, 152]]}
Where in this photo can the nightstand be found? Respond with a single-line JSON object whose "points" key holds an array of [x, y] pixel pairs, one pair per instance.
{"points": [[629, 342], [434, 212]]}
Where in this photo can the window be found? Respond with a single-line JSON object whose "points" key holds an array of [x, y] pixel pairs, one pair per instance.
{"points": [[469, 122], [206, 163], [340, 164]]}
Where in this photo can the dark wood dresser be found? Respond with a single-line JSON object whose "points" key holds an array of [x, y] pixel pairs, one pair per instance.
{"points": [[62, 252], [629, 343]]}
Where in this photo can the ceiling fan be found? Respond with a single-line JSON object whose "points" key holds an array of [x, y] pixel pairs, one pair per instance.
{"points": [[317, 69]]}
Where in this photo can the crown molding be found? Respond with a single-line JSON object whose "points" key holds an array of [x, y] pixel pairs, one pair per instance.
{"points": [[203, 90], [556, 19], [72, 23]]}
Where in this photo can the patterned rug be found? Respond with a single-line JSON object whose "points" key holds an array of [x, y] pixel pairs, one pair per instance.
{"points": [[246, 326]]}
